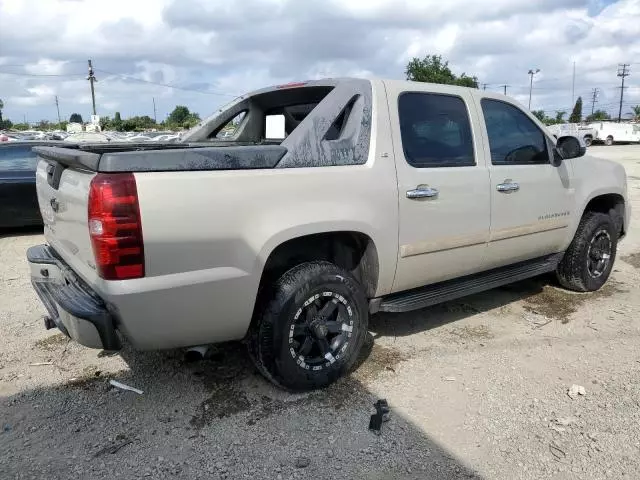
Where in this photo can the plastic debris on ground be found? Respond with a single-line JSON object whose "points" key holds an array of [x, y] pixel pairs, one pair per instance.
{"points": [[381, 416]]}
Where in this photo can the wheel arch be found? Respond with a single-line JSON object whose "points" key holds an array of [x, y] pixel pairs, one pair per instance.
{"points": [[607, 203], [352, 250]]}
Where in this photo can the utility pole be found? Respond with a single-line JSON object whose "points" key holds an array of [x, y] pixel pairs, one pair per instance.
{"points": [[573, 85], [531, 74], [92, 78], [24, 118], [154, 110], [622, 72], [594, 99], [484, 86], [58, 108], [505, 88]]}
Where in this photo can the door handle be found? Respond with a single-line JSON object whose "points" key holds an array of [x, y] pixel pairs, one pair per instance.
{"points": [[508, 186], [422, 192]]}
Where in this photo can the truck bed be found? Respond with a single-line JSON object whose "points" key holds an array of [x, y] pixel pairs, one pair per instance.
{"points": [[125, 157]]}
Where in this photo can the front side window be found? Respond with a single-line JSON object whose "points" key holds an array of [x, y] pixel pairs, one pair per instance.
{"points": [[514, 139], [435, 130]]}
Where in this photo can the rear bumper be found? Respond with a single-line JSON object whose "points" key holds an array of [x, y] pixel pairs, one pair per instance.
{"points": [[74, 308]]}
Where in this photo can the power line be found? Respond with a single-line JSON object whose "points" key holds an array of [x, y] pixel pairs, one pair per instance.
{"points": [[40, 74], [128, 77], [38, 65], [122, 76]]}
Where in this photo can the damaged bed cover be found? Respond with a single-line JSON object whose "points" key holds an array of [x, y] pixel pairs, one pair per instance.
{"points": [[170, 157]]}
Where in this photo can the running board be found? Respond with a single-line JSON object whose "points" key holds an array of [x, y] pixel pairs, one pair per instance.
{"points": [[461, 287]]}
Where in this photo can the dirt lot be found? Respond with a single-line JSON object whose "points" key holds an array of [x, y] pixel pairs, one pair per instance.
{"points": [[478, 389]]}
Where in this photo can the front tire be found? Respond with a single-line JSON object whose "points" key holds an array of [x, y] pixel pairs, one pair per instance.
{"points": [[588, 261], [310, 328], [588, 141]]}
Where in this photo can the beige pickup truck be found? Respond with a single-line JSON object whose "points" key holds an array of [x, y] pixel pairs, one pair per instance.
{"points": [[296, 211]]}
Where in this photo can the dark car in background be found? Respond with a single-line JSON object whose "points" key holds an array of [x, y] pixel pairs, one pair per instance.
{"points": [[18, 199]]}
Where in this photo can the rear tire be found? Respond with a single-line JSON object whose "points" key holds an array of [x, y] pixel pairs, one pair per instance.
{"points": [[588, 141], [588, 261], [310, 328], [609, 141]]}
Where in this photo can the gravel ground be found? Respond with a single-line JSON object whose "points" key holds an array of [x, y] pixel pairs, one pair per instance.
{"points": [[478, 389]]}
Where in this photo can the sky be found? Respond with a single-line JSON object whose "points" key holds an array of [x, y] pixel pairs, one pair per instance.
{"points": [[203, 53]]}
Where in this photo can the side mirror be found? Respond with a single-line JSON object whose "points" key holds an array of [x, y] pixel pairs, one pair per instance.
{"points": [[570, 147], [556, 158]]}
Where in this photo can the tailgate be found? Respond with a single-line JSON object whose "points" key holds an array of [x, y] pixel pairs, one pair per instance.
{"points": [[63, 177]]}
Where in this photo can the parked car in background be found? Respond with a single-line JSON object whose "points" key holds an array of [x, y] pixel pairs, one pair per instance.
{"points": [[587, 133], [87, 137], [18, 198], [611, 132], [581, 132]]}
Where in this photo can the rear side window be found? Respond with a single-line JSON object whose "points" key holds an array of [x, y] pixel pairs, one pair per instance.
{"points": [[17, 158], [230, 128], [435, 130], [514, 139]]}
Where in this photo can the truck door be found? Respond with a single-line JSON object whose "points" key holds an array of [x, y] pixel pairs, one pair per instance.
{"points": [[443, 183], [532, 201]]}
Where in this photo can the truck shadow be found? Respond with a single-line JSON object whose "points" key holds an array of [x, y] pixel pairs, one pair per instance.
{"points": [[539, 296], [21, 231], [404, 324], [217, 418]]}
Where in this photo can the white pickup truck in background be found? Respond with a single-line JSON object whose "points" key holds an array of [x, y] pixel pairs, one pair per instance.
{"points": [[362, 196], [577, 130]]}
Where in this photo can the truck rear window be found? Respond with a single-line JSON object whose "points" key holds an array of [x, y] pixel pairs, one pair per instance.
{"points": [[271, 116]]}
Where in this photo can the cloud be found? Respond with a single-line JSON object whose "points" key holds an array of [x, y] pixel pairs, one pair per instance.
{"points": [[211, 50]]}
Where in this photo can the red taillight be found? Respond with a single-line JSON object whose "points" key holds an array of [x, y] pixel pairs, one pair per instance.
{"points": [[115, 226]]}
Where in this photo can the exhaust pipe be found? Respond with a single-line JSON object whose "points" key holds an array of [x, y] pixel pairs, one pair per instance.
{"points": [[195, 354]]}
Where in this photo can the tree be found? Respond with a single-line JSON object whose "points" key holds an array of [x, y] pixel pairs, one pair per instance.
{"points": [[179, 115], [598, 116], [117, 122], [576, 113], [192, 120], [6, 124], [105, 123], [75, 118], [560, 116], [137, 123], [1, 107], [636, 112], [44, 125], [539, 114], [433, 69]]}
